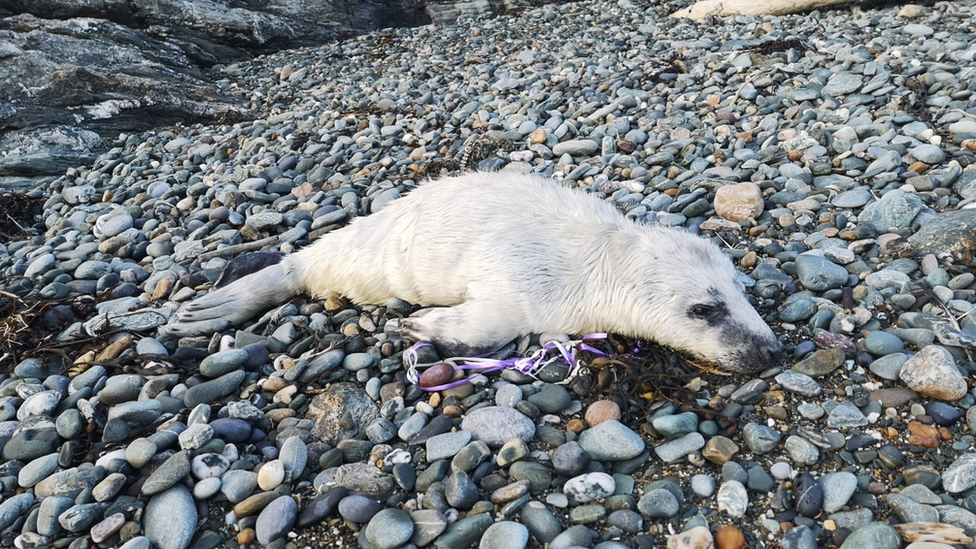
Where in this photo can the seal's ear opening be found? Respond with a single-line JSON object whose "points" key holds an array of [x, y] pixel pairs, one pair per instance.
{"points": [[246, 264]]}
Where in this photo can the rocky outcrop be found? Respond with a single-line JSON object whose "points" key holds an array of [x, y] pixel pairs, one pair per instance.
{"points": [[75, 74]]}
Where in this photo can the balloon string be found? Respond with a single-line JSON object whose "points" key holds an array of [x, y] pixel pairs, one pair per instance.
{"points": [[553, 352]]}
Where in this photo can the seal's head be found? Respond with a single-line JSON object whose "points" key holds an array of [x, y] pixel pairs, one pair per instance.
{"points": [[698, 305]]}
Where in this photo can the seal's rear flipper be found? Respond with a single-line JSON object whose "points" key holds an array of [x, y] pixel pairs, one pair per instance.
{"points": [[233, 304]]}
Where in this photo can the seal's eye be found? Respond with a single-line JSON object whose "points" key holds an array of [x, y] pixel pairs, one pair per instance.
{"points": [[703, 312]]}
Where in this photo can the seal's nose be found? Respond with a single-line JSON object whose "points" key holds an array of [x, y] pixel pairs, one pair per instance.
{"points": [[773, 354]]}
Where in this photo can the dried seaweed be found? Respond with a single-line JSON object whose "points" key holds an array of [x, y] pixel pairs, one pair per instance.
{"points": [[17, 212]]}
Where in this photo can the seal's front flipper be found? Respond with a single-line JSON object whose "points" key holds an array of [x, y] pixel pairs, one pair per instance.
{"points": [[464, 330], [233, 304]]}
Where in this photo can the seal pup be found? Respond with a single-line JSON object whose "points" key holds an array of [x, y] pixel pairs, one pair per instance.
{"points": [[497, 255]]}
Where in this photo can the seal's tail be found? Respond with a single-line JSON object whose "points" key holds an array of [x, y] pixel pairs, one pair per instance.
{"points": [[233, 304]]}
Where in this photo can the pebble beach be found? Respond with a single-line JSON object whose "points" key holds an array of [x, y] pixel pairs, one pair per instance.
{"points": [[830, 154]]}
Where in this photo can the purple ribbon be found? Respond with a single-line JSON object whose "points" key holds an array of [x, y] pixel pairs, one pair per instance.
{"points": [[552, 352]]}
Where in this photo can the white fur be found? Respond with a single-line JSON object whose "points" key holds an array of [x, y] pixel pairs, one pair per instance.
{"points": [[501, 255]]}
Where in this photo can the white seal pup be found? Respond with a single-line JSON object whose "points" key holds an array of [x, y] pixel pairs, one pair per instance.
{"points": [[498, 255]]}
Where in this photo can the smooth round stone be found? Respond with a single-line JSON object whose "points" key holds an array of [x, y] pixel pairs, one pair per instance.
{"points": [[819, 274], [389, 528], [576, 536], [875, 535], [70, 423], [37, 470], [942, 414], [428, 524], [121, 388], [611, 440], [460, 491], [796, 382], [358, 361], [29, 444], [496, 425], [930, 154], [170, 518], [271, 475], [798, 310], [845, 415], [589, 487], [139, 452], [837, 490], [551, 399], [577, 147], [109, 487], [882, 343], [799, 537], [276, 520], [627, 520], [854, 198], [358, 508], [888, 366], [961, 474], [139, 412], [446, 445], [437, 375], [293, 457], [169, 473], [801, 450], [931, 372], [540, 521], [505, 535], [231, 429], [732, 498], [659, 503], [807, 495], [195, 436], [113, 224], [322, 507], [151, 347], [677, 424], [222, 362], [14, 507], [209, 466], [39, 404], [759, 480], [237, 485], [781, 470], [92, 270], [760, 438], [703, 485], [213, 390], [678, 448], [50, 509], [206, 488], [570, 459], [508, 395]]}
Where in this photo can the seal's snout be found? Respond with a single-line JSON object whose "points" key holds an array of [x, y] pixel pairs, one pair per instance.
{"points": [[771, 354], [765, 355]]}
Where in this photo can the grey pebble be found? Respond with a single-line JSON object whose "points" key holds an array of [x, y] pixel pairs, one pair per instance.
{"points": [[505, 535], [446, 445], [358, 508], [276, 520], [658, 504], [611, 440], [496, 425], [170, 518], [837, 490]]}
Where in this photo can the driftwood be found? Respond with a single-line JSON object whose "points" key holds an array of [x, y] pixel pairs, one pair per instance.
{"points": [[726, 8], [935, 532]]}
